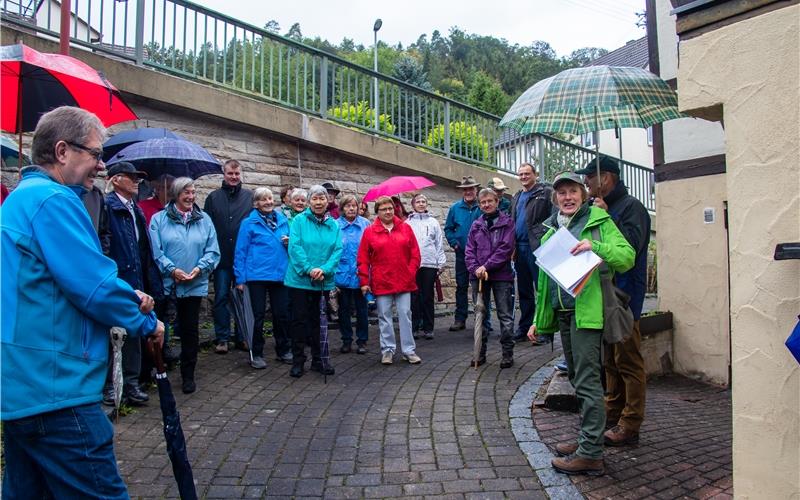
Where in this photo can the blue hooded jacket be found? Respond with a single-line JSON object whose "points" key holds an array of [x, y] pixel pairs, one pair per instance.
{"points": [[260, 254], [313, 244], [459, 219], [347, 273], [60, 295]]}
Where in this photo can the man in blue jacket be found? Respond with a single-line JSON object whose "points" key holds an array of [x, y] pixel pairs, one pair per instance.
{"points": [[456, 229], [60, 296]]}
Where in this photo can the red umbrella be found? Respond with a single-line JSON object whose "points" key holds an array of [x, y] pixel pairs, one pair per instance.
{"points": [[396, 185], [34, 83]]}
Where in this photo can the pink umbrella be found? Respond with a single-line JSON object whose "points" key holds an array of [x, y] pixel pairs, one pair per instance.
{"points": [[396, 185]]}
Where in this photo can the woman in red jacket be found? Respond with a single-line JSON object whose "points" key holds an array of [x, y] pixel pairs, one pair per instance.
{"points": [[388, 259]]}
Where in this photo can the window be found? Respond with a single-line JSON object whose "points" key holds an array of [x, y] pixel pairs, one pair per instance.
{"points": [[511, 158], [587, 139], [649, 136]]}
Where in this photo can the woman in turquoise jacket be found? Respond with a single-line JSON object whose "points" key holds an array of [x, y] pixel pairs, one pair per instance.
{"points": [[580, 319], [186, 251], [315, 247], [260, 261]]}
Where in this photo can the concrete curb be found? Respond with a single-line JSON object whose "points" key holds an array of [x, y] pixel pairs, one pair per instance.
{"points": [[557, 486]]}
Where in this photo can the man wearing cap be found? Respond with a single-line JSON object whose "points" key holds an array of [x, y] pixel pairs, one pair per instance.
{"points": [[499, 188], [530, 207], [456, 229], [227, 207], [624, 366], [333, 192], [129, 247]]}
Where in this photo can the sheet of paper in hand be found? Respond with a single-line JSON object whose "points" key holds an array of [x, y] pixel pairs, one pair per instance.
{"points": [[571, 272]]}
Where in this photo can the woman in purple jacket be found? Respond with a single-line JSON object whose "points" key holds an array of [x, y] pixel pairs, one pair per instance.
{"points": [[490, 244]]}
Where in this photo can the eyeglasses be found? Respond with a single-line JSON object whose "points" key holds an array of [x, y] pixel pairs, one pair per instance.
{"points": [[134, 178], [97, 154]]}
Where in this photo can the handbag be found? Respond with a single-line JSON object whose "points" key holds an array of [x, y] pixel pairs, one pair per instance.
{"points": [[617, 314]]}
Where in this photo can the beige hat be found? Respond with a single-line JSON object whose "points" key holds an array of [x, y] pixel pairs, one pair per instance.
{"points": [[468, 181], [497, 184]]}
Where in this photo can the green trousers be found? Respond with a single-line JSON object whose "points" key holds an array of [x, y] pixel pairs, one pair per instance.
{"points": [[582, 352]]}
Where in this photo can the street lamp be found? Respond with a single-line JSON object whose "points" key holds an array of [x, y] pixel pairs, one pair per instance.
{"points": [[375, 28]]}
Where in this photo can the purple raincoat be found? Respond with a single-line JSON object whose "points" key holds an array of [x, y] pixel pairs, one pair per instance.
{"points": [[491, 248]]}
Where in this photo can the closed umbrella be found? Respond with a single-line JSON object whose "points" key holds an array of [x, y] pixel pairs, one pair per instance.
{"points": [[122, 140], [243, 314], [480, 314], [166, 155], [118, 336], [396, 185], [324, 348]]}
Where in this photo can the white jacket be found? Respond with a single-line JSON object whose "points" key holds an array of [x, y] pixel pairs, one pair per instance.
{"points": [[430, 239]]}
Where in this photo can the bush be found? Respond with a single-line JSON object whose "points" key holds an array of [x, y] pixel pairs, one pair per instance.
{"points": [[465, 140], [361, 114]]}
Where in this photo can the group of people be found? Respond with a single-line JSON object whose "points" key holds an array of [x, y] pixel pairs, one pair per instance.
{"points": [[164, 250]]}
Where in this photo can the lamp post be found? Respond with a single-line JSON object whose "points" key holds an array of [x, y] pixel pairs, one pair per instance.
{"points": [[375, 28]]}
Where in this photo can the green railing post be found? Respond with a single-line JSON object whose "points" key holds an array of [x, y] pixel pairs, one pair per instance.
{"points": [[323, 88], [140, 32], [447, 129]]}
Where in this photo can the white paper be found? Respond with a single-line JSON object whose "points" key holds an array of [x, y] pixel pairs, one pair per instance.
{"points": [[555, 259]]}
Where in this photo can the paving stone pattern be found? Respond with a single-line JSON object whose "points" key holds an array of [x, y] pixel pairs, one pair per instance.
{"points": [[437, 430], [684, 449]]}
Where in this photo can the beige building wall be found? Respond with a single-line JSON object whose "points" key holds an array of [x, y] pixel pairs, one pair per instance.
{"points": [[751, 69], [693, 274]]}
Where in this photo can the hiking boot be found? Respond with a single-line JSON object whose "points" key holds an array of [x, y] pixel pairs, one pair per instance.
{"points": [[428, 335], [575, 464], [386, 358], [567, 448], [458, 325], [188, 386], [221, 348], [258, 363], [412, 358], [296, 371], [507, 362], [481, 362], [361, 349], [345, 348], [620, 436], [135, 395]]}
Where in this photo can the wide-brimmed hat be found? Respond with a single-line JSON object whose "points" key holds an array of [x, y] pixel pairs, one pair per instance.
{"points": [[329, 186], [567, 177], [607, 164], [125, 167], [468, 182], [497, 184]]}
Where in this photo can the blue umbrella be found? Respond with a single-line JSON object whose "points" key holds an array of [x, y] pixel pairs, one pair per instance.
{"points": [[123, 139], [175, 157], [11, 153]]}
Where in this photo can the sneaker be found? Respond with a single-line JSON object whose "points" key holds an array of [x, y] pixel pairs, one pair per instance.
{"points": [[562, 367], [567, 448], [412, 358], [135, 395], [386, 358], [345, 348], [620, 436], [108, 396], [285, 358], [507, 362], [221, 348], [458, 325], [575, 464], [258, 363], [361, 349], [428, 335]]}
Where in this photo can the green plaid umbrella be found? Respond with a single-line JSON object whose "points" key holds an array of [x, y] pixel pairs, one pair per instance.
{"points": [[581, 100]]}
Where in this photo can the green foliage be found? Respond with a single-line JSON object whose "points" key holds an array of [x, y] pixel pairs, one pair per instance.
{"points": [[465, 140], [362, 115], [453, 88], [485, 93], [409, 70]]}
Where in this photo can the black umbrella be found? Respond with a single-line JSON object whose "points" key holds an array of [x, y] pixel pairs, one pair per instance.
{"points": [[165, 155], [122, 140], [324, 350], [173, 433], [243, 314]]}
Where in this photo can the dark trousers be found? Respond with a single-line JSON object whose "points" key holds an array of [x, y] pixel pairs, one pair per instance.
{"points": [[504, 303], [279, 304], [527, 274], [462, 287], [223, 279], [349, 299], [305, 322], [422, 300], [189, 318]]}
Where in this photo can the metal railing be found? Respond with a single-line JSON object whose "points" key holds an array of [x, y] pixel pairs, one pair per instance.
{"points": [[186, 39]]}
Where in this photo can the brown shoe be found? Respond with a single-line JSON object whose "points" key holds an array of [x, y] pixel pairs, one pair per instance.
{"points": [[566, 448], [620, 436], [574, 464]]}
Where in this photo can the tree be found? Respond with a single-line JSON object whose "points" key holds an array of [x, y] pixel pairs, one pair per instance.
{"points": [[272, 26], [465, 141], [485, 93], [409, 70], [294, 33], [583, 56], [363, 115], [454, 89]]}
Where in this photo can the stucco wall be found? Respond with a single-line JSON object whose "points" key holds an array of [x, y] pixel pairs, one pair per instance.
{"points": [[752, 69], [691, 252]]}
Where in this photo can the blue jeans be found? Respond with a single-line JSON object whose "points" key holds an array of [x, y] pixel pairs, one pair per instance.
{"points": [[527, 274], [223, 278], [349, 297], [66, 453]]}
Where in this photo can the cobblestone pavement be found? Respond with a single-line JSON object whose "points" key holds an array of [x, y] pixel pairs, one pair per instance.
{"points": [[436, 430], [684, 449]]}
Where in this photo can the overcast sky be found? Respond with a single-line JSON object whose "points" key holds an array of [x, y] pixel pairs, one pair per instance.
{"points": [[566, 24]]}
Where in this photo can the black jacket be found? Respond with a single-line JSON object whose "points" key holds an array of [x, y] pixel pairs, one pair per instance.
{"points": [[538, 208], [633, 221], [94, 201], [227, 207]]}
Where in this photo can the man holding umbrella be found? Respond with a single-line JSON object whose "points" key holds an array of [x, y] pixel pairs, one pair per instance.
{"points": [[624, 365], [60, 296], [227, 207]]}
